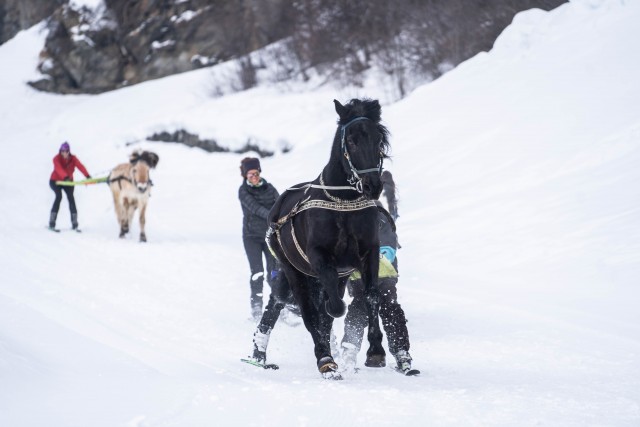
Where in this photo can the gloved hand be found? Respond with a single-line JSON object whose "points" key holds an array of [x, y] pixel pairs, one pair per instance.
{"points": [[88, 176], [388, 252], [67, 178]]}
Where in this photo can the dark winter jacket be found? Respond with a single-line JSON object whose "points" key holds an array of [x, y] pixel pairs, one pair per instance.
{"points": [[387, 235], [256, 203], [63, 168]]}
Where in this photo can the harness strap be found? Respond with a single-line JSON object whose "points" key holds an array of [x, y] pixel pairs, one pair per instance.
{"points": [[324, 187], [118, 179]]}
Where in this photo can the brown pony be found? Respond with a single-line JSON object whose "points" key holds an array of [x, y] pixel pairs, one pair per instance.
{"points": [[131, 187]]}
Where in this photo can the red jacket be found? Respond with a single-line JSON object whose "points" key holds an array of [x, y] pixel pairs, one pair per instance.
{"points": [[64, 168]]}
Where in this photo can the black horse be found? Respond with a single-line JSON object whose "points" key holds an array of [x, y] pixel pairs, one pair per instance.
{"points": [[323, 230]]}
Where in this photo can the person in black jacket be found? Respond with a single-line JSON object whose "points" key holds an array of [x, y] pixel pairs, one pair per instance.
{"points": [[393, 318], [392, 315], [257, 197]]}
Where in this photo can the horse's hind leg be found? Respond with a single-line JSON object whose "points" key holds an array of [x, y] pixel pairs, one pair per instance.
{"points": [[375, 353]]}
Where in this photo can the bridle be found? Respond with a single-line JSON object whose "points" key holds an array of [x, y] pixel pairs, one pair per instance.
{"points": [[354, 178], [131, 179]]}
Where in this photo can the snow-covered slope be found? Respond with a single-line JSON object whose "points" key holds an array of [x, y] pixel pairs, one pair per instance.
{"points": [[519, 202]]}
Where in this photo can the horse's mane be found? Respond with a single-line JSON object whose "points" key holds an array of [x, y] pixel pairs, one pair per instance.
{"points": [[148, 157], [369, 108]]}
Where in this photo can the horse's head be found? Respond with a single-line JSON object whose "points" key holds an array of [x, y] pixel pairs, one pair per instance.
{"points": [[141, 164], [362, 143]]}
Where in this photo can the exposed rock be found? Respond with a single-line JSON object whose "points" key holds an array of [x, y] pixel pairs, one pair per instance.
{"points": [[17, 15], [210, 145], [127, 42]]}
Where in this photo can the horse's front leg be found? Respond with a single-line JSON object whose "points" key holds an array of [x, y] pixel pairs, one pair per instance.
{"points": [[122, 216], [320, 262], [375, 353], [142, 220], [309, 296]]}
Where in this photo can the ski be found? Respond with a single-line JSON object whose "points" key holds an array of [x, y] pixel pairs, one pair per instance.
{"points": [[260, 364], [408, 372], [58, 230]]}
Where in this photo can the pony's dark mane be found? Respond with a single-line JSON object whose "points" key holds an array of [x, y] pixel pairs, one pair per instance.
{"points": [[370, 109], [148, 157]]}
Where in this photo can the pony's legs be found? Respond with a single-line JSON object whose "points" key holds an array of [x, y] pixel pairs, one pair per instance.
{"points": [[120, 215], [124, 222], [375, 353], [132, 205], [328, 276], [142, 220]]}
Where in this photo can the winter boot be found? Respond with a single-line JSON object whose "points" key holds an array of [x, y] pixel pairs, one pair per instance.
{"points": [[52, 219], [403, 359], [260, 343], [256, 312], [74, 221]]}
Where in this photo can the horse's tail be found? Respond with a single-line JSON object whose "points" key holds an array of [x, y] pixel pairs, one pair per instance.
{"points": [[389, 187]]}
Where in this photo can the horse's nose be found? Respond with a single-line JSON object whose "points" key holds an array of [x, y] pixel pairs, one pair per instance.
{"points": [[372, 187], [142, 188]]}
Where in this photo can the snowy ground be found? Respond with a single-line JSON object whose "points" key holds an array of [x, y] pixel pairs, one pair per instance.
{"points": [[520, 226]]}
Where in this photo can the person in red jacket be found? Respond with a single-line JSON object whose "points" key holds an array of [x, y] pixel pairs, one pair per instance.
{"points": [[64, 163]]}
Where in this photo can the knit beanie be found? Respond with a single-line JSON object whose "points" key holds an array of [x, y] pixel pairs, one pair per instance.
{"points": [[65, 147]]}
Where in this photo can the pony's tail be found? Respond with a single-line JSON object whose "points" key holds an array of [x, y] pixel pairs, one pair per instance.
{"points": [[389, 187]]}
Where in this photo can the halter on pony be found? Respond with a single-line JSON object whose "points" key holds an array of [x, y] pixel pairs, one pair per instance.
{"points": [[355, 179]]}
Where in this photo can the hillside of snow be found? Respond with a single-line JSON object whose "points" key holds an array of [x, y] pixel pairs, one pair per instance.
{"points": [[519, 223]]}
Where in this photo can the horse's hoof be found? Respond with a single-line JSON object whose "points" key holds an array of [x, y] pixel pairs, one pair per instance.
{"points": [[122, 233], [375, 361], [143, 238], [336, 310], [329, 369]]}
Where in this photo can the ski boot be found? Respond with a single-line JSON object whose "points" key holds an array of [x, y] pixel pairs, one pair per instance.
{"points": [[52, 220], [74, 222], [403, 360], [260, 343]]}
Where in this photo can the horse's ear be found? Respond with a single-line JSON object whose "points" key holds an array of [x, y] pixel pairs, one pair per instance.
{"points": [[374, 110], [342, 112]]}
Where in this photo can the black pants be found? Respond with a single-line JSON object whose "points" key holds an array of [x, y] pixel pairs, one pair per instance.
{"points": [[394, 321], [255, 249], [68, 191]]}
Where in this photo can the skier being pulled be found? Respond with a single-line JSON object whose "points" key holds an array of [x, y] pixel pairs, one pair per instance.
{"points": [[393, 318]]}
